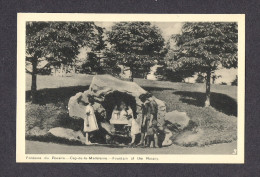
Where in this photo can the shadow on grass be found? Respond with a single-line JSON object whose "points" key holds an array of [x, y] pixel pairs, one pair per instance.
{"points": [[156, 89], [55, 95], [220, 102], [63, 94], [50, 138]]}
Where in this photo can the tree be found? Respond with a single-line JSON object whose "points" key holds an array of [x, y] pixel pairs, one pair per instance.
{"points": [[92, 64], [136, 45], [56, 42], [172, 73], [234, 82], [170, 69], [215, 77], [206, 46], [200, 78], [92, 60]]}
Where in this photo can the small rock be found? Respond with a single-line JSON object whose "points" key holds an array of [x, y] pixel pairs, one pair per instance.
{"points": [[68, 134], [36, 131], [167, 140], [179, 118], [189, 138]]}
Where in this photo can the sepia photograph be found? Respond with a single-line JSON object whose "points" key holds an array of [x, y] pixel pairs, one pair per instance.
{"points": [[125, 88]]}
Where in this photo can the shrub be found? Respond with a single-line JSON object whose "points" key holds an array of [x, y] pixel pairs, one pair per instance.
{"points": [[49, 116]]}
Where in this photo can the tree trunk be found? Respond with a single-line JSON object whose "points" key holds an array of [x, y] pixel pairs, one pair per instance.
{"points": [[55, 71], [207, 102], [145, 75], [131, 75], [61, 69], [74, 69], [34, 82], [65, 70]]}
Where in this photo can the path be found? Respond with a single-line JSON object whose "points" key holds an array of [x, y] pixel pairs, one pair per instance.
{"points": [[35, 147]]}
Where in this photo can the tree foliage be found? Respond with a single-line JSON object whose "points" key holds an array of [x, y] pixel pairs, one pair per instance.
{"points": [[59, 42], [172, 73], [170, 69], [205, 46], [234, 82], [200, 78], [92, 64], [92, 61], [136, 45]]}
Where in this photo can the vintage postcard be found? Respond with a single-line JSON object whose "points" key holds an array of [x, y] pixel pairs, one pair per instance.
{"points": [[130, 88]]}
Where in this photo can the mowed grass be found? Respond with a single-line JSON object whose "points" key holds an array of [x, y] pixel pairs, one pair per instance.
{"points": [[44, 82], [216, 124]]}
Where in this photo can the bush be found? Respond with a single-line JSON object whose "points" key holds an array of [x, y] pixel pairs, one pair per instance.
{"points": [[200, 79], [170, 75]]}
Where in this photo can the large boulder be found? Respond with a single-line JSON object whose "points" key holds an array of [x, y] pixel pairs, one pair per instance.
{"points": [[68, 134], [102, 86], [108, 90]]}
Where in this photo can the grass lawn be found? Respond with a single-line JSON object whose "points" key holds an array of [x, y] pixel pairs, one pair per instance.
{"points": [[217, 124], [214, 125]]}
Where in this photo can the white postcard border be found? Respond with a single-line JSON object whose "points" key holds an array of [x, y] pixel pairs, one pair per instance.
{"points": [[22, 18]]}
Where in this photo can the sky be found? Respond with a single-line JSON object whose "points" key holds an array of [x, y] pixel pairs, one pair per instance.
{"points": [[167, 28]]}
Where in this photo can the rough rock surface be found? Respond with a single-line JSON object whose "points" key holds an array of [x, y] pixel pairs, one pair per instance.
{"points": [[101, 86], [68, 134], [104, 85], [179, 118]]}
